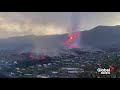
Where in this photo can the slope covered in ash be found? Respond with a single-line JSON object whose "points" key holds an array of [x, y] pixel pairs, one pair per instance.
{"points": [[27, 63], [64, 54]]}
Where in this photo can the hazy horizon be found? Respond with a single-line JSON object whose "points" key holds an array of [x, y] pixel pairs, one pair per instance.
{"points": [[50, 23]]}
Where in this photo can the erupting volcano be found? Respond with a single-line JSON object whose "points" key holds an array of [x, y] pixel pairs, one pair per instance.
{"points": [[72, 40], [73, 36]]}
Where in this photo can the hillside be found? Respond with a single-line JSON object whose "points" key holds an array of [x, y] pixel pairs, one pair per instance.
{"points": [[98, 37]]}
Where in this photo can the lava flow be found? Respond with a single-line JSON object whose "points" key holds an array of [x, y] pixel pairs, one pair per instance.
{"points": [[70, 42], [31, 56], [42, 57]]}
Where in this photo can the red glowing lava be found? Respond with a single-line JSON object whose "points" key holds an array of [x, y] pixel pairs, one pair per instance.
{"points": [[75, 35], [31, 56], [74, 46], [70, 40], [42, 57]]}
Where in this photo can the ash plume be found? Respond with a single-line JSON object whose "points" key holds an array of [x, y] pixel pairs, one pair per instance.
{"points": [[75, 21]]}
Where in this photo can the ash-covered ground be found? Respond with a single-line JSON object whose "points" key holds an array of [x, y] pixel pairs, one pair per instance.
{"points": [[72, 63]]}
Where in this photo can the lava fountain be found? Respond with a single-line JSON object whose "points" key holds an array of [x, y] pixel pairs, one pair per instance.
{"points": [[73, 40]]}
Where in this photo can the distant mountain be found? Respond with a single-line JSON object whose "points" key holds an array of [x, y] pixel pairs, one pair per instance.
{"points": [[102, 37], [98, 37], [32, 41]]}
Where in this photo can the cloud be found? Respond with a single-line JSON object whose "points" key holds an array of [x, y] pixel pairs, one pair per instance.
{"points": [[47, 23], [38, 23]]}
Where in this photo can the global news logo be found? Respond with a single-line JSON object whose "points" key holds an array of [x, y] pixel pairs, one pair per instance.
{"points": [[106, 71]]}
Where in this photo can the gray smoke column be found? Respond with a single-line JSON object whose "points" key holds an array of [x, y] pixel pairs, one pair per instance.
{"points": [[75, 29], [75, 21]]}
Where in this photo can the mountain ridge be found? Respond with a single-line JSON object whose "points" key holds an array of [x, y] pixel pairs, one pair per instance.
{"points": [[98, 37]]}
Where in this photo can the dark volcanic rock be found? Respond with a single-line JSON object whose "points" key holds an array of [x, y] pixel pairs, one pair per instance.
{"points": [[27, 63]]}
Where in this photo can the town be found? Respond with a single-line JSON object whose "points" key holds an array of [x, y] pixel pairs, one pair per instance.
{"points": [[73, 63]]}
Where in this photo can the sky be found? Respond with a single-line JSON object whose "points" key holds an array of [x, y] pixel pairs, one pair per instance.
{"points": [[49, 23]]}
